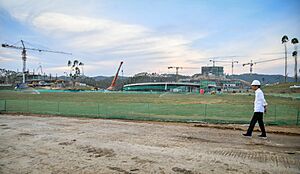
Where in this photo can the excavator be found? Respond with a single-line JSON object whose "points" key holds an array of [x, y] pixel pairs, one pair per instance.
{"points": [[113, 83]]}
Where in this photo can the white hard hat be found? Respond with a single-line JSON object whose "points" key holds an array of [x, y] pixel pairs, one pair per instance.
{"points": [[255, 83]]}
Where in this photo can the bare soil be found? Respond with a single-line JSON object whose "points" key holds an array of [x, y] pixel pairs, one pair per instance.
{"points": [[31, 144]]}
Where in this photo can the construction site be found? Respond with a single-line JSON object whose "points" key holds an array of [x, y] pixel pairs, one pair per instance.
{"points": [[188, 114], [209, 79], [149, 87]]}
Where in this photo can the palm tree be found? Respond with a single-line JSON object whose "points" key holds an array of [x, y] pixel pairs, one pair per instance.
{"points": [[69, 63], [284, 40], [75, 63], [81, 64], [77, 72], [74, 70], [294, 54], [294, 41]]}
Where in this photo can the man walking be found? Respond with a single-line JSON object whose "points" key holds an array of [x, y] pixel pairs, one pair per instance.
{"points": [[260, 107]]}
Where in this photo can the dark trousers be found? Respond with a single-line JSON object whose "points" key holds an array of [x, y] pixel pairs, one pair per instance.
{"points": [[257, 117]]}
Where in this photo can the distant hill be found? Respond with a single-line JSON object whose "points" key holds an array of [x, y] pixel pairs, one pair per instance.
{"points": [[12, 77], [263, 78], [99, 78], [282, 88]]}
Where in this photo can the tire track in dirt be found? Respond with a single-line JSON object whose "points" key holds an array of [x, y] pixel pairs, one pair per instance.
{"points": [[265, 157]]}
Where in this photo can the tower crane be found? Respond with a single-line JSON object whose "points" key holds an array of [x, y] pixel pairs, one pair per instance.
{"points": [[177, 69], [232, 63], [212, 59], [251, 63], [24, 54], [251, 66]]}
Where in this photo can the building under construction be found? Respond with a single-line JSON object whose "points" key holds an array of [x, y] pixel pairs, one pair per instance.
{"points": [[211, 79], [212, 70]]}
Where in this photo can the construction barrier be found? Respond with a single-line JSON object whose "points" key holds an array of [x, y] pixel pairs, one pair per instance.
{"points": [[211, 113]]}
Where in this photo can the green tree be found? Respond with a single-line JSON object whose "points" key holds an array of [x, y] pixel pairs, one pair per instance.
{"points": [[74, 70]]}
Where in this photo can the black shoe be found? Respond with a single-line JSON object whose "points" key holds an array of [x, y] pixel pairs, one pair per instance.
{"points": [[247, 135], [262, 136]]}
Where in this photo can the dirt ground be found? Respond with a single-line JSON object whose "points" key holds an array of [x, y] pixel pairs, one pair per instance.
{"points": [[31, 144]]}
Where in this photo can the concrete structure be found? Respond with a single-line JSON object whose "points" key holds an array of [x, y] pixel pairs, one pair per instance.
{"points": [[163, 87], [212, 70]]}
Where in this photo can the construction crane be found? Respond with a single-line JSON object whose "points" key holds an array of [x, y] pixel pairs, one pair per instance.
{"points": [[251, 63], [212, 59], [232, 63], [177, 69], [24, 54], [113, 83]]}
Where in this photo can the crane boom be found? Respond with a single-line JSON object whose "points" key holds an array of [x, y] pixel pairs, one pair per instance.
{"points": [[212, 59], [251, 63], [226, 61], [24, 54], [113, 83], [268, 60], [34, 49]]}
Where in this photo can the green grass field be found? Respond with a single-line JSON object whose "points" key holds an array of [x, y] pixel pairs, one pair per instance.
{"points": [[224, 108], [282, 88]]}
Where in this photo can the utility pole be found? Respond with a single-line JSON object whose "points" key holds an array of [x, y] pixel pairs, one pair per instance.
{"points": [[295, 42], [296, 73], [285, 66], [284, 40]]}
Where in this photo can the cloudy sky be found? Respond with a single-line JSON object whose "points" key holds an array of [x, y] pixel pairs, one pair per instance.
{"points": [[149, 35]]}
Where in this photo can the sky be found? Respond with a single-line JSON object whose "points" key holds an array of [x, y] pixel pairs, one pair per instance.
{"points": [[149, 35]]}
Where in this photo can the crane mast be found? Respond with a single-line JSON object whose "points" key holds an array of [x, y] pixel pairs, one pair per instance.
{"points": [[251, 66], [24, 55], [232, 63], [177, 69], [24, 60]]}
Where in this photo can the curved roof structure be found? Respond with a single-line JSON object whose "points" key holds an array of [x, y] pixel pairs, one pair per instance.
{"points": [[163, 86]]}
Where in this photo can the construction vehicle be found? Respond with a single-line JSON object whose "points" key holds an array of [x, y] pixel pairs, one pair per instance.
{"points": [[225, 61], [113, 83], [24, 54], [251, 63], [177, 69]]}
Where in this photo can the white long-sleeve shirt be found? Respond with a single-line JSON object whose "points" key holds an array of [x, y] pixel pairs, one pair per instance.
{"points": [[259, 101]]}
